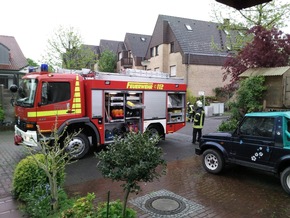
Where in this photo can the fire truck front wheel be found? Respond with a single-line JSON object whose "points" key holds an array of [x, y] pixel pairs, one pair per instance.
{"points": [[79, 146]]}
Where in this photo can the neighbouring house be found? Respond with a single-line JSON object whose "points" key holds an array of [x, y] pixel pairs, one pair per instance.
{"points": [[13, 65], [12, 61], [183, 47], [133, 51], [130, 53]]}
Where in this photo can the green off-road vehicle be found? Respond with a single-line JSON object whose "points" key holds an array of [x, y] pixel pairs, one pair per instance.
{"points": [[261, 141]]}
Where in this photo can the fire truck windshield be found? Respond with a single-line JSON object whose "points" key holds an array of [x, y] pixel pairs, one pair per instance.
{"points": [[26, 93]]}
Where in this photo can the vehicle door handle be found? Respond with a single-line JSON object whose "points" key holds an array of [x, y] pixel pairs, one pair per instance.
{"points": [[70, 111]]}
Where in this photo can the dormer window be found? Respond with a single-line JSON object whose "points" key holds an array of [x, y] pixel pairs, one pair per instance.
{"points": [[188, 27]]}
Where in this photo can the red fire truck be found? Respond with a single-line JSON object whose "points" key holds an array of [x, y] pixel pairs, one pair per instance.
{"points": [[102, 106]]}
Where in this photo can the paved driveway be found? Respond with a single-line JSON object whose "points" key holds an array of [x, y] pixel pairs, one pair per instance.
{"points": [[186, 188]]}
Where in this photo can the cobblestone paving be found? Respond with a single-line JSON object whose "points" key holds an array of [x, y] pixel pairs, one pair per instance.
{"points": [[10, 155], [180, 207]]}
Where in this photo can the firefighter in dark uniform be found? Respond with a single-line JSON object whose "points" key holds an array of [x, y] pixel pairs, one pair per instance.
{"points": [[190, 111], [198, 122]]}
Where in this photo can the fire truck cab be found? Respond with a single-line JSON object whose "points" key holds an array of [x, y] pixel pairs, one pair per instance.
{"points": [[102, 106]]}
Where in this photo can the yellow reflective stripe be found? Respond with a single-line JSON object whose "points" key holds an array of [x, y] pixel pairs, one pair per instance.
{"points": [[46, 113], [76, 106], [53, 113], [77, 100], [78, 111]]}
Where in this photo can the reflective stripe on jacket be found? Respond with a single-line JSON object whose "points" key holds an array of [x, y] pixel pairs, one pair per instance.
{"points": [[198, 120], [191, 109]]}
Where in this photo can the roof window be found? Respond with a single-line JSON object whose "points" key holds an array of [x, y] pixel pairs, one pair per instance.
{"points": [[188, 27], [143, 39]]}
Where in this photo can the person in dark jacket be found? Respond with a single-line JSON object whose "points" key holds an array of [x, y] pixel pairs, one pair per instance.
{"points": [[198, 122]]}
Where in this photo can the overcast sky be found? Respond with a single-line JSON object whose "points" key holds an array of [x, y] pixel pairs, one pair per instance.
{"points": [[33, 22]]}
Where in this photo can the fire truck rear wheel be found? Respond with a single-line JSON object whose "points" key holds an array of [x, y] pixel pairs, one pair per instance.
{"points": [[79, 146], [154, 130]]}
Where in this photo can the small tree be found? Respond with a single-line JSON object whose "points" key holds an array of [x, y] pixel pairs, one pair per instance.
{"points": [[132, 159], [269, 48], [107, 61], [32, 63], [65, 49], [189, 97], [55, 159]]}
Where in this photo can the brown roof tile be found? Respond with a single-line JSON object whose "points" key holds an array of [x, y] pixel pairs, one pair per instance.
{"points": [[17, 60]]}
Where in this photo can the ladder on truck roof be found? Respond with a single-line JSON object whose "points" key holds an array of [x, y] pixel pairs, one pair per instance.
{"points": [[125, 73], [145, 73], [142, 75]]}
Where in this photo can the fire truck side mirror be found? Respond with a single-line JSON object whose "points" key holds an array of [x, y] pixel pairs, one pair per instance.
{"points": [[13, 88]]}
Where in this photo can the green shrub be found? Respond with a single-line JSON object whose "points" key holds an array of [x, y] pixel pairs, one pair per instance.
{"points": [[28, 175], [38, 202], [82, 207], [115, 210], [228, 125]]}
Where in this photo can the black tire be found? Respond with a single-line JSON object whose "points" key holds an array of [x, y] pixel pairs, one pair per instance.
{"points": [[212, 161], [153, 130], [78, 147], [285, 180]]}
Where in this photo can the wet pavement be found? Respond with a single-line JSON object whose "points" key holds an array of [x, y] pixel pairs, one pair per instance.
{"points": [[185, 191], [239, 192]]}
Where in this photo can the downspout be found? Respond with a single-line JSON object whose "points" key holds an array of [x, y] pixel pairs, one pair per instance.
{"points": [[187, 68]]}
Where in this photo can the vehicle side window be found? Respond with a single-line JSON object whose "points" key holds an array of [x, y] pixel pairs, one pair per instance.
{"points": [[267, 126], [258, 126], [54, 92]]}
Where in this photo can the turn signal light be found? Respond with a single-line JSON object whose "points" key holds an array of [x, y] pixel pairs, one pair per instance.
{"points": [[29, 126]]}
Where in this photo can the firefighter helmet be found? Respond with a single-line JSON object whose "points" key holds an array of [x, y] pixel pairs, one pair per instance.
{"points": [[199, 104]]}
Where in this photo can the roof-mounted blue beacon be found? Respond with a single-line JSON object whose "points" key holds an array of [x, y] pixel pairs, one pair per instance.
{"points": [[44, 68]]}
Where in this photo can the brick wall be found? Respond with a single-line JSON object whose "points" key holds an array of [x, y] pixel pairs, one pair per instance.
{"points": [[198, 77]]}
